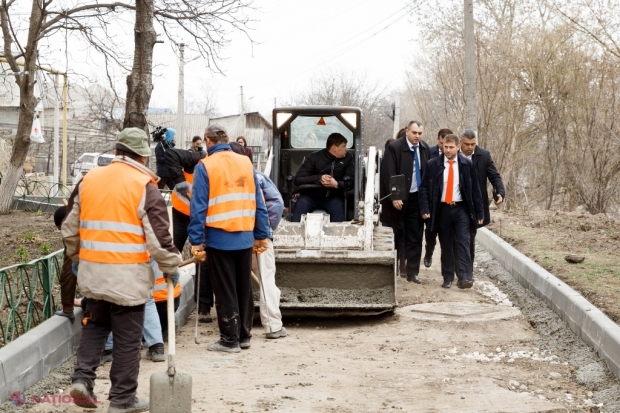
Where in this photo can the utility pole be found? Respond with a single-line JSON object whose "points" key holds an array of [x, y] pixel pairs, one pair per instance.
{"points": [[56, 129], [396, 114], [471, 102], [242, 113], [181, 100]]}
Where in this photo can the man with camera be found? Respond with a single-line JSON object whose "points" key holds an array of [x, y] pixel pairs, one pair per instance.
{"points": [[165, 138]]}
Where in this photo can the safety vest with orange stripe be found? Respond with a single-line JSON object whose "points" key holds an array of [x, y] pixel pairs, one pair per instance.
{"points": [[160, 290], [232, 192], [180, 203], [111, 231]]}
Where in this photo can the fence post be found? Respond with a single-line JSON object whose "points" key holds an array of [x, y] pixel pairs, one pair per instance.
{"points": [[48, 305]]}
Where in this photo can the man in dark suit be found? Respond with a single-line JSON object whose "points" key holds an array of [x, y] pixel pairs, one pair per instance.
{"points": [[431, 236], [450, 197], [485, 169], [406, 157]]}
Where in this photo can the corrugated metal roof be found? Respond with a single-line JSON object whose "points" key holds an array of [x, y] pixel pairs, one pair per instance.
{"points": [[194, 124]]}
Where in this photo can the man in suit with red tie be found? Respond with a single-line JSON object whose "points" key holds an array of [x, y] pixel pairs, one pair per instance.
{"points": [[450, 196]]}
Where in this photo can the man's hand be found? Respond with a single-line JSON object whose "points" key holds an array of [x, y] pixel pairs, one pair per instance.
{"points": [[426, 216], [480, 221], [199, 253], [70, 316], [182, 188], [260, 246], [398, 204], [499, 200], [328, 181]]}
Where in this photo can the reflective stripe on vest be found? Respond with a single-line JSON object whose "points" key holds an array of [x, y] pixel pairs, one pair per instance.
{"points": [[232, 192], [160, 290], [180, 203], [111, 231]]}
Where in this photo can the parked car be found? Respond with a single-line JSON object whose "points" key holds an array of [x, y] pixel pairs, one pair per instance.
{"points": [[88, 161]]}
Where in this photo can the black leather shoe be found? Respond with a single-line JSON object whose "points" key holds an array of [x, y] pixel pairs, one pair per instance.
{"points": [[446, 284], [467, 284], [413, 279], [428, 260], [459, 284]]}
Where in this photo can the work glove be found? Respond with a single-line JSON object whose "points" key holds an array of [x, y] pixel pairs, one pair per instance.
{"points": [[175, 278], [183, 189], [70, 315], [260, 246], [199, 253]]}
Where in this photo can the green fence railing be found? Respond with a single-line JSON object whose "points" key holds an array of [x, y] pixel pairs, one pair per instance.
{"points": [[30, 295]]}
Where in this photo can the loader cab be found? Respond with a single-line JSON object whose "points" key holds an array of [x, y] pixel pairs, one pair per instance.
{"points": [[301, 130]]}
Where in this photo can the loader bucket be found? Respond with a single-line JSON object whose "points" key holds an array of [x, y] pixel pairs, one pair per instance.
{"points": [[352, 280]]}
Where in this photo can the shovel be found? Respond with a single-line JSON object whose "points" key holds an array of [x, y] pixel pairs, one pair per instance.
{"points": [[171, 391]]}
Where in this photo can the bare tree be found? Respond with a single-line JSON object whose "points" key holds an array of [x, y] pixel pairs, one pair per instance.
{"points": [[350, 89], [206, 22]]}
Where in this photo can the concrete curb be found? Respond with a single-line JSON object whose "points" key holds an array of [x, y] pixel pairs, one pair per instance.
{"points": [[596, 329], [35, 354]]}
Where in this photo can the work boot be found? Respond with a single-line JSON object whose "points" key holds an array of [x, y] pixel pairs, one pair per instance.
{"points": [[403, 267], [106, 357], [217, 346], [277, 334], [205, 316], [139, 405], [155, 353], [83, 395], [244, 343]]}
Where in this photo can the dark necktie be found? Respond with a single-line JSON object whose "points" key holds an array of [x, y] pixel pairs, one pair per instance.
{"points": [[416, 167]]}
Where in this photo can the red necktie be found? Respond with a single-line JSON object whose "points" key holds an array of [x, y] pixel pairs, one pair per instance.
{"points": [[450, 183]]}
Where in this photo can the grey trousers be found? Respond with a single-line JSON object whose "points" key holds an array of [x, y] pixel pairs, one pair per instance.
{"points": [[126, 324]]}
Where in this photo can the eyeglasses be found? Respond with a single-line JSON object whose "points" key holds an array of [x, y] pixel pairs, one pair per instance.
{"points": [[416, 133]]}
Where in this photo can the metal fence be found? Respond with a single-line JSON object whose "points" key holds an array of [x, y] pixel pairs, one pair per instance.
{"points": [[40, 195], [30, 295]]}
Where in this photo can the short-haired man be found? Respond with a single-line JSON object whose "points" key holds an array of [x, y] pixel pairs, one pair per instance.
{"points": [[451, 198], [116, 221], [228, 220], [485, 169], [407, 157], [431, 236], [330, 170]]}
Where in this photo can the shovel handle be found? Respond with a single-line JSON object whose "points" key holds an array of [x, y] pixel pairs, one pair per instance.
{"points": [[171, 326]]}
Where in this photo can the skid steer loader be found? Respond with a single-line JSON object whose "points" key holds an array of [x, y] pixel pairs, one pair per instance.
{"points": [[325, 268]]}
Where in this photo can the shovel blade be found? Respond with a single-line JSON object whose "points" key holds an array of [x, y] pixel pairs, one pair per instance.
{"points": [[171, 394]]}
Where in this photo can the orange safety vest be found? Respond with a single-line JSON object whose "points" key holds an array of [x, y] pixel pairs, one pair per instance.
{"points": [[110, 230], [160, 290], [180, 203], [232, 192]]}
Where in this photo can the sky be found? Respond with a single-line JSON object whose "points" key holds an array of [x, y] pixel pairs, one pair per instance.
{"points": [[294, 42]]}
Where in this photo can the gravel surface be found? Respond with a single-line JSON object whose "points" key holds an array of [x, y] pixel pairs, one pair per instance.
{"points": [[591, 372]]}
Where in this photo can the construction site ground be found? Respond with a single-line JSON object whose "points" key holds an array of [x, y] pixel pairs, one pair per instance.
{"points": [[496, 359]]}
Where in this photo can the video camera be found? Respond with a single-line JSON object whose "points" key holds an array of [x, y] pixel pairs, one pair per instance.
{"points": [[158, 134]]}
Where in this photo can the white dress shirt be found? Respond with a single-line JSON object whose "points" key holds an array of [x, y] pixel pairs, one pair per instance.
{"points": [[472, 154], [414, 181], [456, 192]]}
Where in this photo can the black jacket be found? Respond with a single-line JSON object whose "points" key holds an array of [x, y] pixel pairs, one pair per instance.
{"points": [[485, 169], [322, 163], [398, 160], [432, 187], [160, 158], [179, 160], [435, 151]]}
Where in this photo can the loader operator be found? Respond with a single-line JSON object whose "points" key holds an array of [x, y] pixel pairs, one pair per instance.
{"points": [[117, 217], [332, 168], [228, 220], [180, 164]]}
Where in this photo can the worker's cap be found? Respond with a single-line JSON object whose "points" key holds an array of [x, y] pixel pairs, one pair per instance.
{"points": [[134, 140], [216, 131]]}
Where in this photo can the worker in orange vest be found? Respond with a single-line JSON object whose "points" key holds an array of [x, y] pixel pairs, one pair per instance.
{"points": [[116, 219], [181, 164], [228, 220]]}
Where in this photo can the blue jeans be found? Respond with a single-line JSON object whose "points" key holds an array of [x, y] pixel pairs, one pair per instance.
{"points": [[333, 206]]}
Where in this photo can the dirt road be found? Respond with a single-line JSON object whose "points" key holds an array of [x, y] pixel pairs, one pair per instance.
{"points": [[467, 354]]}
